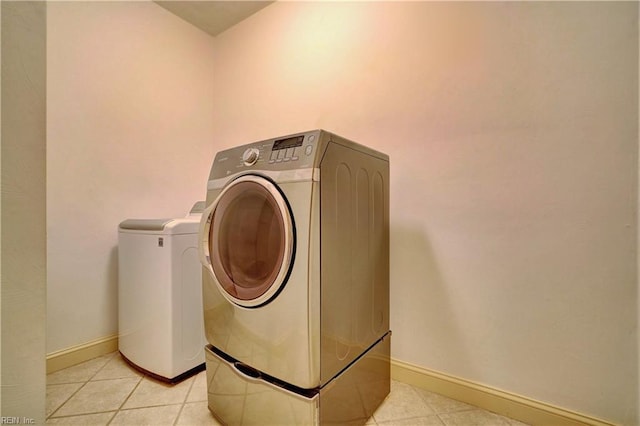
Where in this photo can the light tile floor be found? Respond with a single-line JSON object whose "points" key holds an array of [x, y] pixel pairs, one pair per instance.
{"points": [[107, 391]]}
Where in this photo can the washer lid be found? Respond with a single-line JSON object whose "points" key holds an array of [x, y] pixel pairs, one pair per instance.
{"points": [[197, 208], [178, 226], [144, 224], [248, 241]]}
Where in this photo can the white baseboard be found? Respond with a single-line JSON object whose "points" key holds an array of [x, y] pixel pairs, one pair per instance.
{"points": [[80, 353], [494, 400]]}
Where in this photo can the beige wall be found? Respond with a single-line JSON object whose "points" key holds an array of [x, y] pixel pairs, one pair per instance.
{"points": [[23, 261], [512, 132], [130, 111]]}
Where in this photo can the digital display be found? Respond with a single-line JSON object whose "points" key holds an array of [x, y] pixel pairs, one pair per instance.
{"points": [[288, 143]]}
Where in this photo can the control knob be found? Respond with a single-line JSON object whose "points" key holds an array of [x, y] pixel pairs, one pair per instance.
{"points": [[250, 156]]}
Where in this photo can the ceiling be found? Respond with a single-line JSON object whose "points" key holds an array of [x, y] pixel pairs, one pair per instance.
{"points": [[213, 17]]}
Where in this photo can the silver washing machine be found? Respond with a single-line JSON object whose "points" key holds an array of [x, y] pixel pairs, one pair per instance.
{"points": [[294, 242]]}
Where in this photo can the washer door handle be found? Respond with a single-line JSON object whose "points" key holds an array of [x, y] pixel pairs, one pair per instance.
{"points": [[204, 230]]}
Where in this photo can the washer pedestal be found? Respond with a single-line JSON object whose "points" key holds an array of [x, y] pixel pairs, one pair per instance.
{"points": [[239, 395]]}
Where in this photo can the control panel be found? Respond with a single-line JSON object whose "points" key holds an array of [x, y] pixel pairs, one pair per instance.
{"points": [[288, 149], [289, 152]]}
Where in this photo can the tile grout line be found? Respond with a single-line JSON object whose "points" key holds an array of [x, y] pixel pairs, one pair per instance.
{"points": [[113, 416], [435, 412], [424, 400], [66, 400], [193, 381], [109, 359], [91, 413], [456, 411], [127, 398], [114, 412], [84, 383]]}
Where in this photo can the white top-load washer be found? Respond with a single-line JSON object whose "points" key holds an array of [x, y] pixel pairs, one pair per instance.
{"points": [[160, 316]]}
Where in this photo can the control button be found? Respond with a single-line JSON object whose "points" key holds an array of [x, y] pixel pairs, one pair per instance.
{"points": [[289, 153], [272, 161], [286, 159], [250, 156], [278, 160], [294, 158], [274, 155], [308, 149], [281, 154], [312, 138]]}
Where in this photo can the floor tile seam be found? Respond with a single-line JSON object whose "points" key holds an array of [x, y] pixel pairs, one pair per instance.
{"points": [[88, 413], [401, 417], [435, 410], [149, 406], [441, 419], [443, 414], [184, 401], [110, 357], [408, 418], [421, 398], [113, 378], [127, 398], [473, 409], [67, 400], [67, 383], [124, 410], [454, 411], [194, 402]]}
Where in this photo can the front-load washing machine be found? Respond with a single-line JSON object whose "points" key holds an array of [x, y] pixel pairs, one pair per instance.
{"points": [[294, 241]]}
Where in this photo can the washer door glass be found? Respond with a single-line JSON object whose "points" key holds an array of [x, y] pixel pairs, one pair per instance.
{"points": [[250, 240]]}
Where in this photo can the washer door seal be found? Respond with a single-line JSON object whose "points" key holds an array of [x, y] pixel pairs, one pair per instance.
{"points": [[248, 241]]}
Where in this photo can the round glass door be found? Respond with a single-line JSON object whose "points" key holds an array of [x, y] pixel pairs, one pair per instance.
{"points": [[250, 240]]}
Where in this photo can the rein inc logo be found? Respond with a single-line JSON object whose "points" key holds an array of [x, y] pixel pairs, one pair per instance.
{"points": [[16, 420]]}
